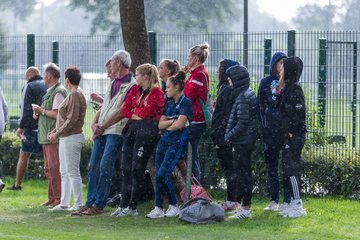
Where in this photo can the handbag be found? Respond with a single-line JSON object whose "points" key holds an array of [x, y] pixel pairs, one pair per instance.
{"points": [[201, 211], [196, 191]]}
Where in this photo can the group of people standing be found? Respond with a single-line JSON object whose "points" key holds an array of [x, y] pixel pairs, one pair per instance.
{"points": [[158, 111]]}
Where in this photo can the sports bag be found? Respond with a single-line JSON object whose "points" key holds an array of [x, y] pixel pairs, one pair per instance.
{"points": [[201, 211]]}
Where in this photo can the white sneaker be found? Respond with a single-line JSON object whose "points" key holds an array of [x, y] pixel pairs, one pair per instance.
{"points": [[75, 208], [295, 210], [156, 213], [241, 214], [59, 208], [173, 211], [272, 206], [128, 212], [117, 212], [284, 207]]}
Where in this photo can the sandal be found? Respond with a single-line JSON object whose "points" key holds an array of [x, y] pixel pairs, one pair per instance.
{"points": [[93, 211]]}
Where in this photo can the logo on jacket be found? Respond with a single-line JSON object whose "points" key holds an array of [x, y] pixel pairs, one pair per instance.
{"points": [[140, 152], [298, 106]]}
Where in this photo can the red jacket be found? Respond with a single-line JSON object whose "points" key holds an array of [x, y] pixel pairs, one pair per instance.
{"points": [[197, 86], [150, 107]]}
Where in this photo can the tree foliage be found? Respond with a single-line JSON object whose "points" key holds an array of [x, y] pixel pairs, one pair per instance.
{"points": [[163, 15], [22, 9]]}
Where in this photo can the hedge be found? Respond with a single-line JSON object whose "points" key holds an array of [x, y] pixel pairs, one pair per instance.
{"points": [[325, 170]]}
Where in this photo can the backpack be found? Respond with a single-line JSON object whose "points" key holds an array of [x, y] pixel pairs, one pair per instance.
{"points": [[201, 211], [207, 107]]}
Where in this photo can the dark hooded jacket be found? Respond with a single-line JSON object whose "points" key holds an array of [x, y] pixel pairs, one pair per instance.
{"points": [[268, 103], [292, 100], [242, 123], [35, 91], [226, 97]]}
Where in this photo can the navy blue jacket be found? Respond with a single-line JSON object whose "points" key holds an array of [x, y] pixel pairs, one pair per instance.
{"points": [[35, 91], [268, 103]]}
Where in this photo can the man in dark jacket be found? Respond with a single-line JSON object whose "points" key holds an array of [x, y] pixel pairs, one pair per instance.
{"points": [[293, 124], [32, 93], [268, 102], [241, 133]]}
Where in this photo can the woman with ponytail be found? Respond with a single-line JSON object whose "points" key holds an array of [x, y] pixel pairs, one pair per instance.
{"points": [[167, 68], [197, 87], [174, 123], [143, 107]]}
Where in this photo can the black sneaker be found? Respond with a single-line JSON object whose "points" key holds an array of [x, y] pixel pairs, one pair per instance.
{"points": [[14, 188]]}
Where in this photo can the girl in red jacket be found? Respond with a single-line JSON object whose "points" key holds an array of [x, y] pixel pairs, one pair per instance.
{"points": [[143, 107], [196, 88]]}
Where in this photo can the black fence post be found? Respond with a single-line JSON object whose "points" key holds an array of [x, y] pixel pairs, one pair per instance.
{"points": [[322, 81], [55, 52], [152, 47], [30, 50], [291, 43], [267, 55]]}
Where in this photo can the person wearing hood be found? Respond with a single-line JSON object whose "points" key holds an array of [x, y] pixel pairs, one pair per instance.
{"points": [[224, 101], [241, 134], [293, 123], [268, 106]]}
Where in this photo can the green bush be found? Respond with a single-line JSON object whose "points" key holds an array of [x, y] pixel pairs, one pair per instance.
{"points": [[10, 147]]}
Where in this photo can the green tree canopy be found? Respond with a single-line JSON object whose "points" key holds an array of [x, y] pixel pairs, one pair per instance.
{"points": [[164, 15]]}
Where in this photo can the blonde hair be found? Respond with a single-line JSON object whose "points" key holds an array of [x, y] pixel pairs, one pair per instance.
{"points": [[201, 51], [151, 71]]}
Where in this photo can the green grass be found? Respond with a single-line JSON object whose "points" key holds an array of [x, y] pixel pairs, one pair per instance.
{"points": [[21, 217]]}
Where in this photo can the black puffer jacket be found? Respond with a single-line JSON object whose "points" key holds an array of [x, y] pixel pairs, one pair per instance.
{"points": [[242, 125], [292, 101], [35, 91]]}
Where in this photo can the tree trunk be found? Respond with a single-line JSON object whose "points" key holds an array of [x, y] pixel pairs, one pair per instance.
{"points": [[134, 33]]}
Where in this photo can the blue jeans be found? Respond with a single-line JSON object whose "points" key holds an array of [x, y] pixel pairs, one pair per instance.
{"points": [[106, 150], [166, 158], [195, 133]]}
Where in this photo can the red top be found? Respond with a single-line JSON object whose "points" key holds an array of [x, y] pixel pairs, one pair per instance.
{"points": [[150, 107], [195, 88]]}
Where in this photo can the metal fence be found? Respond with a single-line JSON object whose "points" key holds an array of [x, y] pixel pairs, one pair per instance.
{"points": [[330, 76]]}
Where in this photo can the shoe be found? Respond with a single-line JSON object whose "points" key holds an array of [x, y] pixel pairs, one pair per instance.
{"points": [[114, 201], [117, 212], [75, 208], [283, 206], [172, 211], [272, 206], [230, 206], [14, 188], [128, 212], [295, 210], [92, 211], [59, 208], [2, 185], [46, 204], [156, 213], [80, 211], [53, 204], [241, 214]]}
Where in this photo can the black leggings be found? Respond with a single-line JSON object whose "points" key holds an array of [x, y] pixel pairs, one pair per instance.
{"points": [[139, 143]]}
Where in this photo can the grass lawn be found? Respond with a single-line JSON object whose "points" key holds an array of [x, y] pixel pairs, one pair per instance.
{"points": [[21, 217]]}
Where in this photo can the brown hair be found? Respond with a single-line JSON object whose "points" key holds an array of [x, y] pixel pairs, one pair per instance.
{"points": [[172, 65]]}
